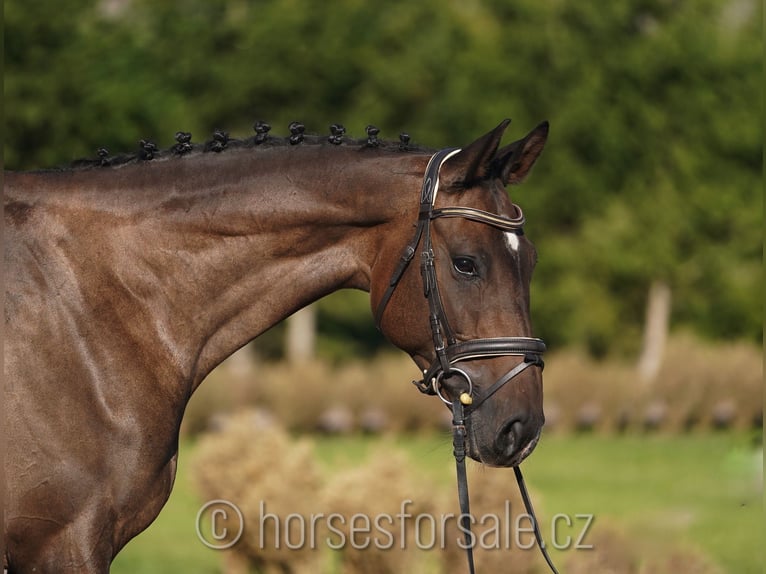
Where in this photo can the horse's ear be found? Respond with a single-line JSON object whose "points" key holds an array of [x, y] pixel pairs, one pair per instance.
{"points": [[473, 163], [515, 160]]}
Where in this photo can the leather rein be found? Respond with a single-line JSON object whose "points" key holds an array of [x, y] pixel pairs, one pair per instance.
{"points": [[448, 350]]}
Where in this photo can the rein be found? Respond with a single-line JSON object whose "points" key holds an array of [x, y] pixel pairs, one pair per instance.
{"points": [[448, 350]]}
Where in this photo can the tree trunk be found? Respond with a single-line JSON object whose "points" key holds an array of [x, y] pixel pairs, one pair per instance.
{"points": [[300, 338], [655, 330]]}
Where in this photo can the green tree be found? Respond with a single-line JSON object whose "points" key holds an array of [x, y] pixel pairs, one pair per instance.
{"points": [[653, 166]]}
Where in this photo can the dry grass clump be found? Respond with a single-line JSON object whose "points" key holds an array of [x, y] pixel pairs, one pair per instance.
{"points": [[428, 539], [614, 551], [298, 394], [383, 518], [699, 385], [264, 473], [587, 395], [374, 498], [376, 394], [713, 386], [262, 469], [379, 518], [228, 388]]}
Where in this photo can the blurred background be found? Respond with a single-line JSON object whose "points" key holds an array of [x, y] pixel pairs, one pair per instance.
{"points": [[646, 209]]}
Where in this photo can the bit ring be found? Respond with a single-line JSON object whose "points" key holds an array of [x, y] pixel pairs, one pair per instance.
{"points": [[436, 383]]}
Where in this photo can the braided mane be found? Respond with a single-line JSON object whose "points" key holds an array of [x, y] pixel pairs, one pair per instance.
{"points": [[221, 141]]}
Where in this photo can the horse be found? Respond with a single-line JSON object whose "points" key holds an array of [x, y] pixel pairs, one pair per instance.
{"points": [[128, 279]]}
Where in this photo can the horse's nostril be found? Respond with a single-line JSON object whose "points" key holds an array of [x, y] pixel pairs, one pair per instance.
{"points": [[515, 440], [510, 437]]}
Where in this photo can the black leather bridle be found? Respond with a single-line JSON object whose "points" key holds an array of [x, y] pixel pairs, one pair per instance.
{"points": [[448, 350]]}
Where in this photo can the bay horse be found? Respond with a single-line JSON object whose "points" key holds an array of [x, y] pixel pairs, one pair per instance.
{"points": [[128, 280]]}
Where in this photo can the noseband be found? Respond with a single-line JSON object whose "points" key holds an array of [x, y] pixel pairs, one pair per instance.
{"points": [[448, 350]]}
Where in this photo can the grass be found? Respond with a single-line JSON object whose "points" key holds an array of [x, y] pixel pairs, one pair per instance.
{"points": [[704, 490], [699, 490]]}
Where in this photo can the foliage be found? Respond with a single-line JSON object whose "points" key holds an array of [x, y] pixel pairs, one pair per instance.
{"points": [[271, 476], [652, 170]]}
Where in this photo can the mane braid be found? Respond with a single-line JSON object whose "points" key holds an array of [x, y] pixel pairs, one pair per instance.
{"points": [[221, 143]]}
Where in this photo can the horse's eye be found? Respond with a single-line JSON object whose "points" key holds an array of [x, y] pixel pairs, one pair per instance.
{"points": [[464, 266]]}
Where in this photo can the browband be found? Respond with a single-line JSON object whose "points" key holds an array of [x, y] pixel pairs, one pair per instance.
{"points": [[515, 225]]}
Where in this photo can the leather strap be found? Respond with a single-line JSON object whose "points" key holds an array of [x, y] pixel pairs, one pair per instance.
{"points": [[458, 444], [529, 347], [499, 383], [428, 194], [533, 517]]}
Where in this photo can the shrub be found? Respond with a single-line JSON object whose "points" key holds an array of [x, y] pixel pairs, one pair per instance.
{"points": [[372, 397], [232, 386], [264, 472], [588, 394], [616, 552], [251, 460], [698, 385], [709, 385], [379, 489], [613, 552]]}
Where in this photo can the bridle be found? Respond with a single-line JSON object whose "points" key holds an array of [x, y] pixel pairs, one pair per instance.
{"points": [[447, 349]]}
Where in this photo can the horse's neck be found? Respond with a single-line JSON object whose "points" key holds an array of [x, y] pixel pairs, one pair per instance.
{"points": [[215, 250]]}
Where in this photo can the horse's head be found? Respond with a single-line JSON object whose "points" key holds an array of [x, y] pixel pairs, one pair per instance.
{"points": [[471, 335]]}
